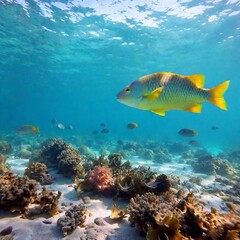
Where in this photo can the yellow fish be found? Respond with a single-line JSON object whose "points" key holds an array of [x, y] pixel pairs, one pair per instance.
{"points": [[28, 129], [164, 91]]}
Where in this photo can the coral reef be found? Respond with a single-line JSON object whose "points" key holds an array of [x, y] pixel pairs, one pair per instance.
{"points": [[111, 176], [122, 182], [5, 148], [178, 147], [167, 217], [16, 193], [3, 166], [48, 201], [38, 171], [162, 155], [74, 217], [60, 155], [214, 165]]}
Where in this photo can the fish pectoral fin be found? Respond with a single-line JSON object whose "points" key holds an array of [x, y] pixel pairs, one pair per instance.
{"points": [[159, 112], [197, 80], [154, 94], [195, 108]]}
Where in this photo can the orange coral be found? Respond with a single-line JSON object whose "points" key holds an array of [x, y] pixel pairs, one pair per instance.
{"points": [[100, 178]]}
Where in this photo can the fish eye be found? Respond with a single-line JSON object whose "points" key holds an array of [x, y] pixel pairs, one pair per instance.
{"points": [[128, 90]]}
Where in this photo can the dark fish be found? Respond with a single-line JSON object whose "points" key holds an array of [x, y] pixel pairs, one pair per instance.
{"points": [[54, 121], [95, 132], [69, 127], [185, 132], [102, 124], [120, 142], [27, 129], [105, 130], [214, 127], [193, 142], [132, 125]]}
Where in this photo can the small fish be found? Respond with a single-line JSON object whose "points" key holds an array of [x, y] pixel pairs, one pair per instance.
{"points": [[54, 122], [28, 129], [105, 130], [214, 127], [60, 126], [120, 142], [69, 127], [102, 124], [193, 142], [95, 132], [132, 125], [164, 91], [185, 132]]}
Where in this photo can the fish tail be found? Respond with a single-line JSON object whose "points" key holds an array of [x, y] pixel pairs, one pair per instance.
{"points": [[216, 95]]}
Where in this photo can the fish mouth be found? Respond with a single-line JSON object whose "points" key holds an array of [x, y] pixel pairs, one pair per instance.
{"points": [[120, 96]]}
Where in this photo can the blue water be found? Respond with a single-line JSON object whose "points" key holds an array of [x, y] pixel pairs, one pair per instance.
{"points": [[67, 60]]}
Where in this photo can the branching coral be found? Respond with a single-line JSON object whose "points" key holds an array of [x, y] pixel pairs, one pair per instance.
{"points": [[74, 217], [38, 172]]}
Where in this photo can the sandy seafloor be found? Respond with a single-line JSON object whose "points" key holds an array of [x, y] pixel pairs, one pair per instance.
{"points": [[100, 207]]}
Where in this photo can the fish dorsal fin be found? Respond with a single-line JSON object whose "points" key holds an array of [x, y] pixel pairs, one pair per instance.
{"points": [[197, 79], [154, 94], [195, 108], [159, 112]]}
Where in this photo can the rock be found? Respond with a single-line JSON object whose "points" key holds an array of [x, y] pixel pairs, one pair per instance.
{"points": [[47, 221], [100, 221], [24, 153], [87, 200]]}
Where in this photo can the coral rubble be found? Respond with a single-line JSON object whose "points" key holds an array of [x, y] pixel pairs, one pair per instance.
{"points": [[74, 217]]}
